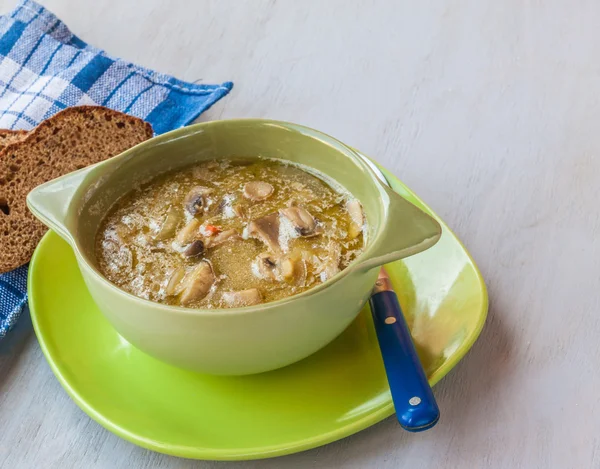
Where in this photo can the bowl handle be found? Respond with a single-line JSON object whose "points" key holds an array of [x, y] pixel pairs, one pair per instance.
{"points": [[407, 231], [50, 201]]}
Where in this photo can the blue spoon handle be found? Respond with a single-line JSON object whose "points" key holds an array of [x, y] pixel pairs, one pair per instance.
{"points": [[416, 408]]}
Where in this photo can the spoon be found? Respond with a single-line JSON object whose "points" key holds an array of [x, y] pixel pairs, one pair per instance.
{"points": [[416, 408]]}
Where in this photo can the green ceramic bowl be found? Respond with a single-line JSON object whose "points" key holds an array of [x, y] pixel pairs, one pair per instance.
{"points": [[243, 340]]}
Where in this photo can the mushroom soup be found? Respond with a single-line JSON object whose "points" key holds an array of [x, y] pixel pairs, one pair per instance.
{"points": [[230, 233]]}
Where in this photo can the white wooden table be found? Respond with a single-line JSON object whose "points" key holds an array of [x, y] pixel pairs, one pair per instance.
{"points": [[490, 111]]}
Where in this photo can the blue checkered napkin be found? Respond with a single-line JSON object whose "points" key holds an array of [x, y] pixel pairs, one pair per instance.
{"points": [[45, 68]]}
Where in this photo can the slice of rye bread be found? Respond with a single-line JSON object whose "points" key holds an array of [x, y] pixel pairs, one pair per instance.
{"points": [[11, 136], [72, 139]]}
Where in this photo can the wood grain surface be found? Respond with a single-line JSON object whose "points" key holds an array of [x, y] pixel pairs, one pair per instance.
{"points": [[490, 112]]}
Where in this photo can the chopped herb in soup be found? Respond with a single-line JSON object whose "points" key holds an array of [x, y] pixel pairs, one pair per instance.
{"points": [[229, 233]]}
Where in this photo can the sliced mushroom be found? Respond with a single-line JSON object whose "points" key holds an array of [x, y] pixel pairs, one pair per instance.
{"points": [[195, 201], [197, 283], [304, 223], [356, 218], [264, 266], [293, 270], [194, 249], [174, 285], [169, 225], [257, 190], [187, 234], [220, 238], [266, 229], [237, 299], [290, 268]]}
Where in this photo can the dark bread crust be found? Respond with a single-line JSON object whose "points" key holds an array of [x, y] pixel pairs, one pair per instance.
{"points": [[71, 139], [8, 137]]}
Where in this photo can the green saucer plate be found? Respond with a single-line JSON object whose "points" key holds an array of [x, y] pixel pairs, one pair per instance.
{"points": [[336, 392]]}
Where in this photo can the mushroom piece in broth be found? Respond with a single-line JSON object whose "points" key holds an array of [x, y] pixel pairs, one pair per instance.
{"points": [[230, 233]]}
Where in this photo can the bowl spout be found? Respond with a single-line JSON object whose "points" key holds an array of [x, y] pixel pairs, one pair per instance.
{"points": [[407, 231], [50, 202]]}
